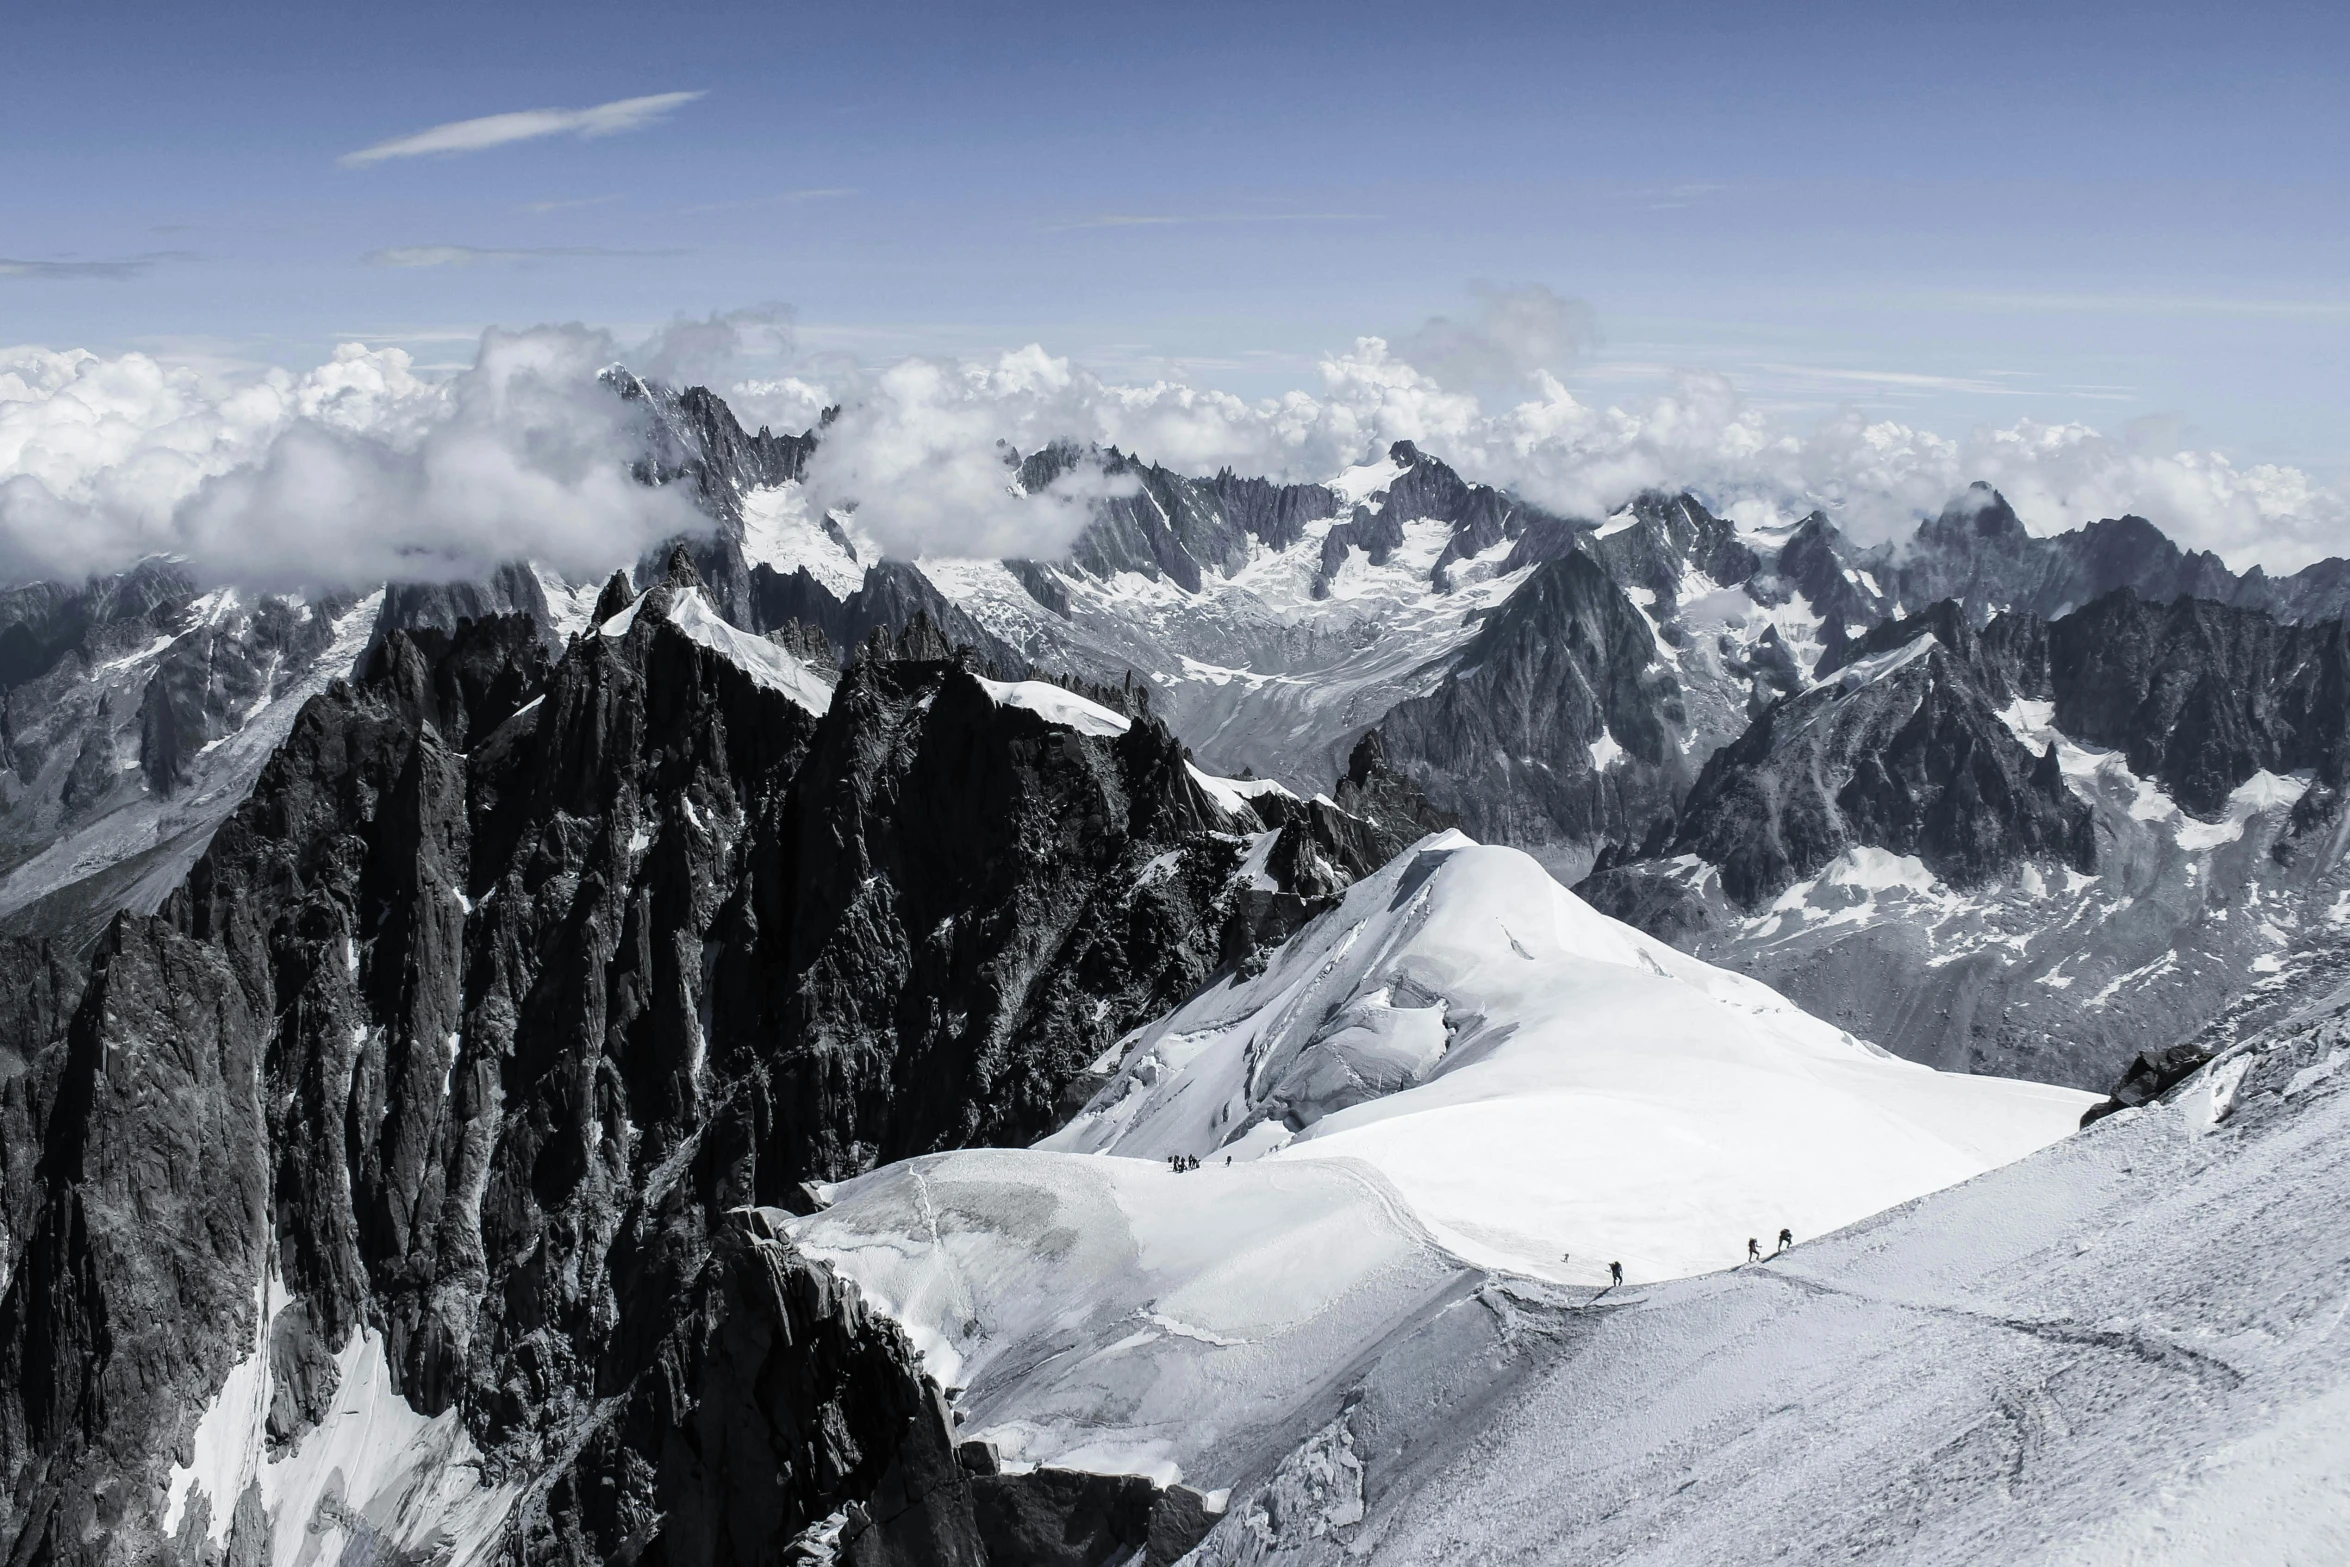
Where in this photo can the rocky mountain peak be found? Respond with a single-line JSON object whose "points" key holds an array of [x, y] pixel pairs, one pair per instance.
{"points": [[1900, 746], [1978, 512]]}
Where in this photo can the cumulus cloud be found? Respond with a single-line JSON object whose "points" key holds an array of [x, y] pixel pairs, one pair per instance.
{"points": [[916, 436], [357, 472], [362, 469], [925, 452], [497, 130], [713, 350], [1511, 335]]}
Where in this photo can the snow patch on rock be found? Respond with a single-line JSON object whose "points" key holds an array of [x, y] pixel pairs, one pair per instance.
{"points": [[762, 660]]}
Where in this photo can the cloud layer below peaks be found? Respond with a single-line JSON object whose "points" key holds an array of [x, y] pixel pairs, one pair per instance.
{"points": [[358, 471], [361, 470]]}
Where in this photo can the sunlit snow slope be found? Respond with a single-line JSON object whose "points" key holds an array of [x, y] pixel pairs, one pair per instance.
{"points": [[1461, 1067], [1551, 1090], [2132, 1348]]}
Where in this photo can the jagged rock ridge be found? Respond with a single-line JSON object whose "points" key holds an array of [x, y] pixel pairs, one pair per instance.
{"points": [[475, 1026]]}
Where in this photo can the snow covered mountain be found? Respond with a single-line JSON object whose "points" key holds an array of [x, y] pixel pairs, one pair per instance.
{"points": [[1458, 1070], [2126, 1348], [788, 1055], [375, 1194], [1536, 1078], [2027, 849], [1553, 684]]}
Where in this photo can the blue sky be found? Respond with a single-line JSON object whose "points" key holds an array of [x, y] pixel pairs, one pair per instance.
{"points": [[1957, 214]]}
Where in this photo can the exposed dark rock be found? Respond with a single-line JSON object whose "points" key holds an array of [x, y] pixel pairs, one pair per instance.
{"points": [[1063, 1517], [486, 1013], [2155, 1073], [513, 589], [2201, 696], [1670, 535], [1042, 583], [135, 1288], [1175, 527], [617, 595], [43, 621], [778, 1399], [1901, 747], [894, 594], [1814, 562], [1507, 741], [1480, 517]]}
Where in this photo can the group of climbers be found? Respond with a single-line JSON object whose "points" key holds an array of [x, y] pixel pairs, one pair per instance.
{"points": [[1615, 1270]]}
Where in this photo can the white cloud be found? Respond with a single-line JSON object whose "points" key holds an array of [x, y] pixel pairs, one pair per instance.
{"points": [[1513, 333], [925, 451], [710, 351], [907, 429], [356, 472], [497, 130], [362, 469]]}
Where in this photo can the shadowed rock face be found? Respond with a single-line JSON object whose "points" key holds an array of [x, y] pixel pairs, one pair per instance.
{"points": [[478, 1022], [2085, 909], [1557, 730], [1176, 527], [1905, 753], [1915, 758], [2198, 695], [1978, 552]]}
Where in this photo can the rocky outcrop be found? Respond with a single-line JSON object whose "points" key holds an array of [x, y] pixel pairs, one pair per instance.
{"points": [[894, 596], [1669, 537], [777, 1403], [1165, 525], [1978, 552], [2162, 856], [1559, 728], [1480, 517], [2198, 695], [1899, 747], [513, 589], [482, 1020], [143, 713]]}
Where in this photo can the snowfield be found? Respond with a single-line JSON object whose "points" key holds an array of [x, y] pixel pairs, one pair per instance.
{"points": [[1113, 1315], [1550, 1089], [2131, 1348], [1459, 1072]]}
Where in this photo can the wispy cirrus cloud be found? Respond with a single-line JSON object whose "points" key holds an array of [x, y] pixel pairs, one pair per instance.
{"points": [[480, 256], [2149, 305], [540, 208], [1898, 381], [781, 198], [113, 271], [498, 130], [1132, 220]]}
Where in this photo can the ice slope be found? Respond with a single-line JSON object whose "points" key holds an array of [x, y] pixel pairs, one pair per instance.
{"points": [[2133, 1347], [767, 664], [1487, 1074], [1549, 1089], [373, 1481], [761, 659], [1114, 1315]]}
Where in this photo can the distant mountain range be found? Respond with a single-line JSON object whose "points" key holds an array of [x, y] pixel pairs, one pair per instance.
{"points": [[786, 1055]]}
